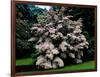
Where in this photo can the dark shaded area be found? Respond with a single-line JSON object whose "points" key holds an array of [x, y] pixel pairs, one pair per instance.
{"points": [[26, 16], [88, 20]]}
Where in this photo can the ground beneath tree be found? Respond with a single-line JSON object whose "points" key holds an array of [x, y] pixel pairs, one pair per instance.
{"points": [[89, 65]]}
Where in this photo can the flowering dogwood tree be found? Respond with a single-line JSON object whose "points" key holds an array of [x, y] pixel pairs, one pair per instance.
{"points": [[56, 37]]}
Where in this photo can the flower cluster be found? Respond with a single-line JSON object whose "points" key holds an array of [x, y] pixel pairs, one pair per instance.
{"points": [[58, 38]]}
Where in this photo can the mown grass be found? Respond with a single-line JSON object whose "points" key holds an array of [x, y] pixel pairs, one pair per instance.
{"points": [[89, 65], [25, 61], [83, 66]]}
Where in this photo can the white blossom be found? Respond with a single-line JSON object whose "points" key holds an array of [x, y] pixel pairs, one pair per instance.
{"points": [[63, 46], [60, 34], [47, 65], [57, 62], [49, 55], [52, 30], [59, 26], [32, 39], [78, 60], [58, 39], [55, 51], [34, 28], [40, 60], [72, 55], [60, 21], [77, 31], [50, 24]]}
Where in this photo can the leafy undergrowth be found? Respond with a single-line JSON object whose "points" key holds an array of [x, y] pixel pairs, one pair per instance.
{"points": [[89, 65]]}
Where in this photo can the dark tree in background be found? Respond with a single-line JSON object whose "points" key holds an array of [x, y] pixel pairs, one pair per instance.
{"points": [[26, 15], [88, 16]]}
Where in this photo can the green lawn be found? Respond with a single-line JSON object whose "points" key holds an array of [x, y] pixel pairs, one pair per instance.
{"points": [[25, 61], [83, 66]]}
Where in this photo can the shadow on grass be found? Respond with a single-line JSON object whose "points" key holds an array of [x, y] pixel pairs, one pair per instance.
{"points": [[89, 65]]}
